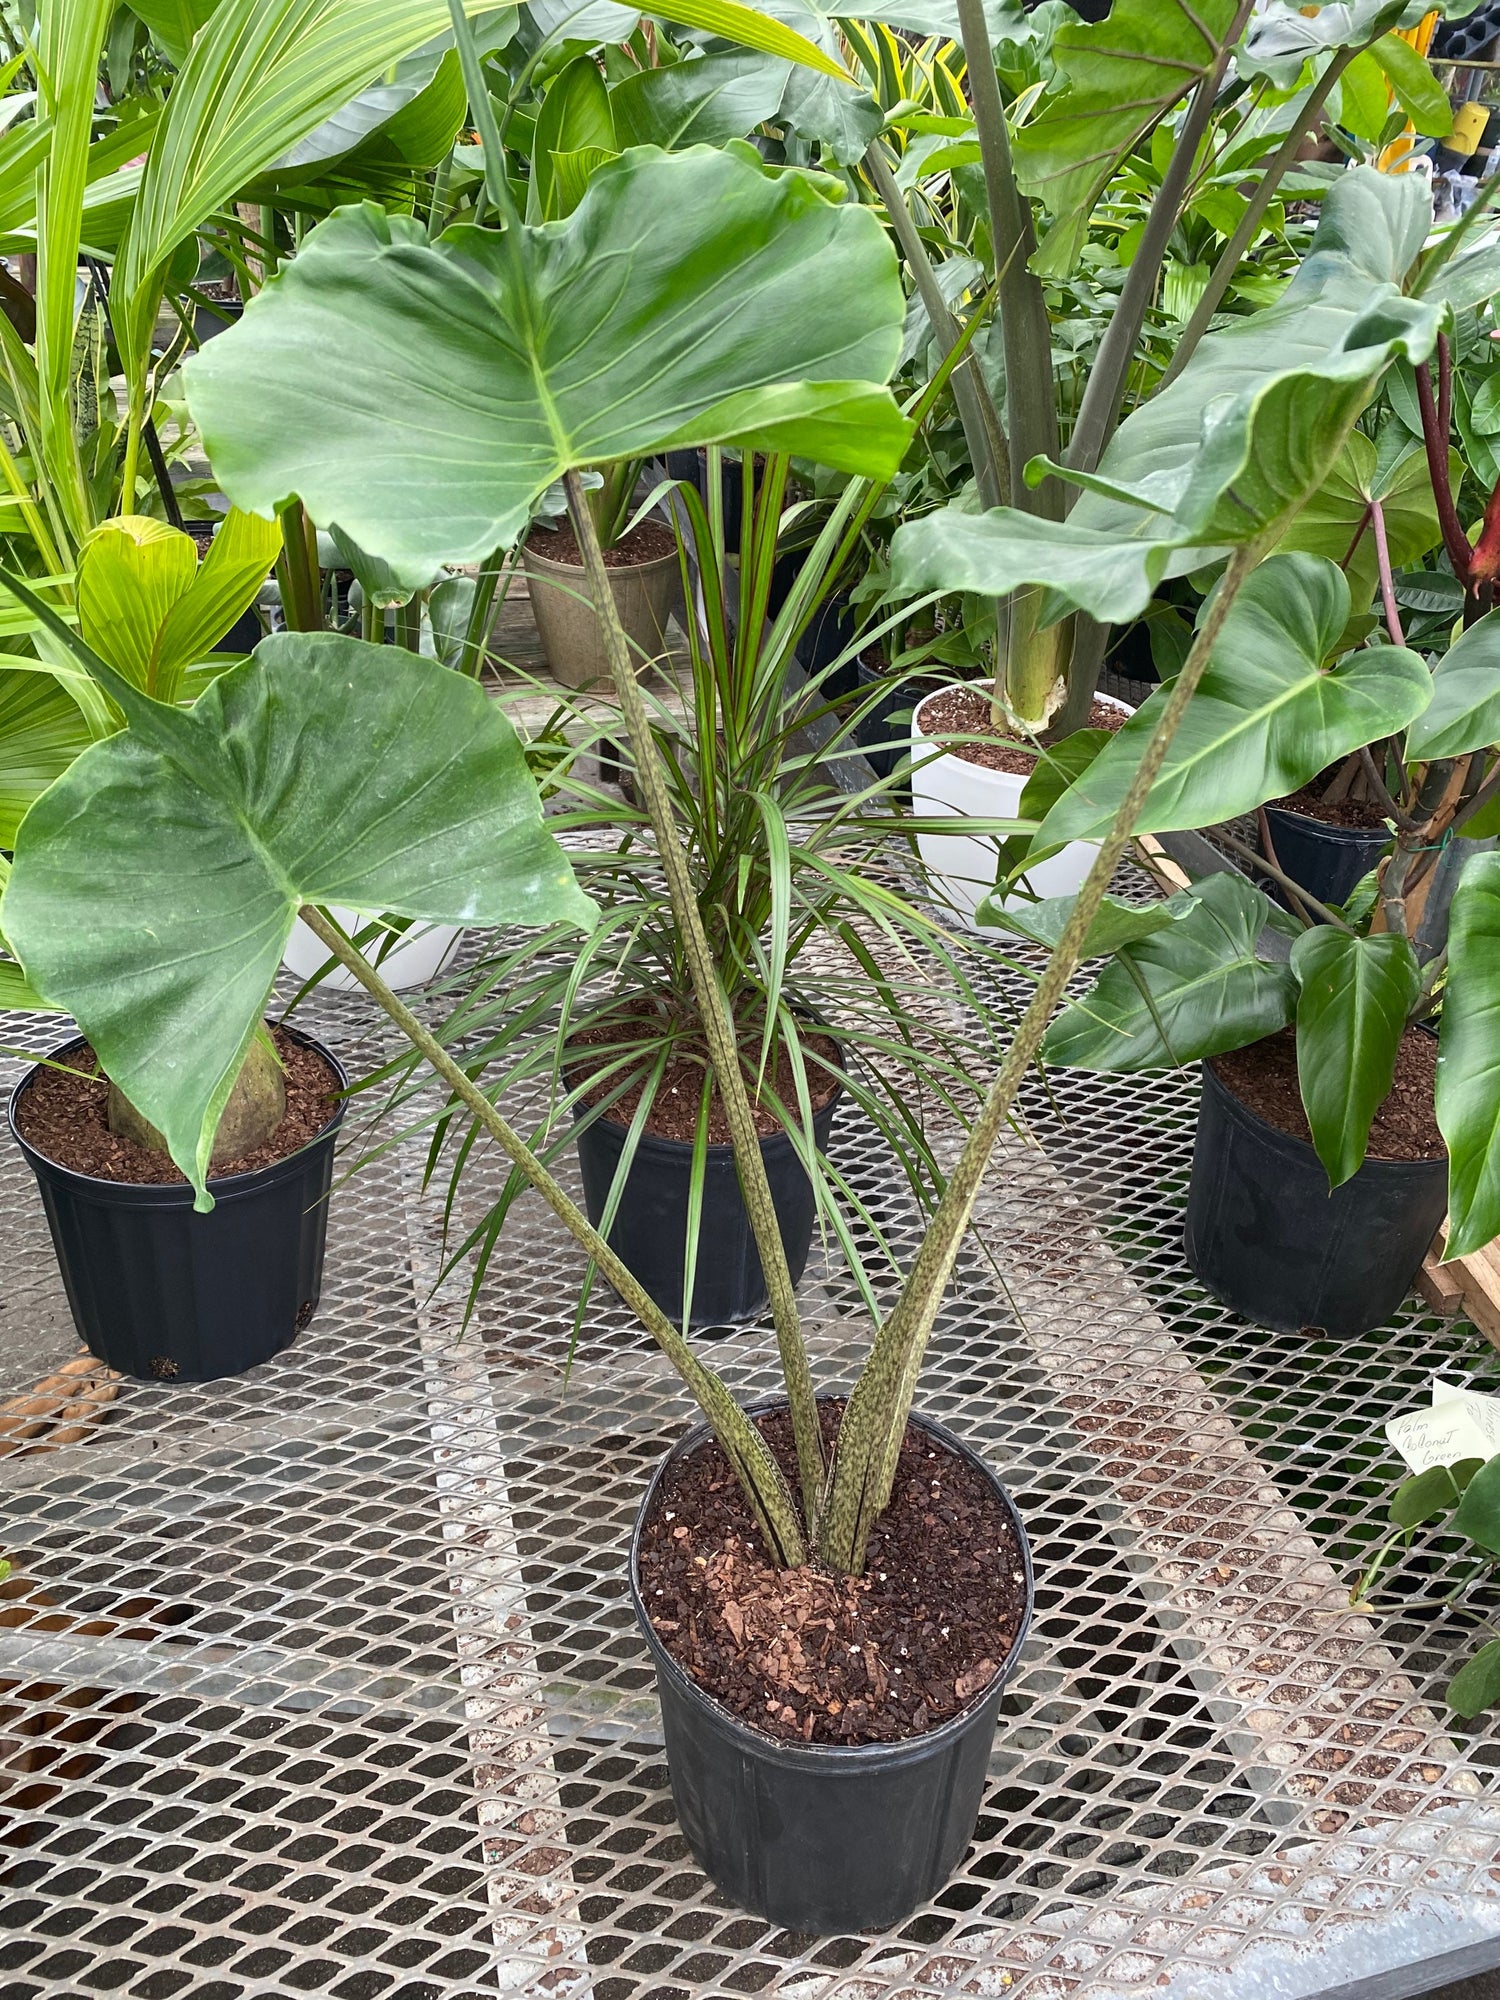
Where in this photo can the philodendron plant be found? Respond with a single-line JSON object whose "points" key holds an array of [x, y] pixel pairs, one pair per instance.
{"points": [[1286, 696], [739, 306]]}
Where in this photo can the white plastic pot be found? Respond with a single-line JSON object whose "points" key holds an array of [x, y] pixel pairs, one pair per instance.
{"points": [[962, 866], [420, 955]]}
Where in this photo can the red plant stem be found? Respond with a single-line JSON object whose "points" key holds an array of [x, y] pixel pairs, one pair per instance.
{"points": [[1445, 385], [1387, 581], [1435, 438]]}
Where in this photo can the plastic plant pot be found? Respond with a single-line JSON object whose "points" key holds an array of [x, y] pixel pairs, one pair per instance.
{"points": [[820, 1837], [962, 866], [162, 1293], [649, 1231], [1327, 861], [413, 959], [1266, 1235]]}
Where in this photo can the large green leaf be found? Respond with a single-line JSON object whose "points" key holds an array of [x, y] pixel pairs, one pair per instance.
{"points": [[1464, 713], [1468, 1073], [698, 103], [155, 884], [1267, 717], [1228, 452], [41, 732], [1115, 79], [1355, 994], [689, 299], [1190, 990]]}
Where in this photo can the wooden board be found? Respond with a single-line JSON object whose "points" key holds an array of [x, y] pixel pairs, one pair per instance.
{"points": [[1469, 1285]]}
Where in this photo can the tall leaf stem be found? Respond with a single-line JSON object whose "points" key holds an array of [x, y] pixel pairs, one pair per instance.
{"points": [[1435, 442], [1248, 227], [989, 451], [747, 1450], [1028, 680], [714, 1012], [1387, 579], [1100, 411], [874, 1424]]}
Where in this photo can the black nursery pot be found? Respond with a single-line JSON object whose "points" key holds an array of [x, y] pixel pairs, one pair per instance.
{"points": [[164, 1294], [649, 1232], [821, 1837], [1327, 861], [1268, 1238]]}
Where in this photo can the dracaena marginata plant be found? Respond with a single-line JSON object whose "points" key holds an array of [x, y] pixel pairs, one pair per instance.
{"points": [[750, 309], [1220, 92]]}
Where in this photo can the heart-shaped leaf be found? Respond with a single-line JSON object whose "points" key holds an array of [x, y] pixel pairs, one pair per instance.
{"points": [[1464, 713], [1193, 989], [155, 884], [689, 299], [1468, 1072], [1355, 995], [1476, 1685], [1267, 716]]}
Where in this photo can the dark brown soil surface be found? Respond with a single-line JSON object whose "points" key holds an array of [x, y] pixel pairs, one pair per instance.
{"points": [[816, 1658], [202, 533], [1264, 1078], [64, 1115], [674, 1115], [1358, 813], [652, 538], [966, 712]]}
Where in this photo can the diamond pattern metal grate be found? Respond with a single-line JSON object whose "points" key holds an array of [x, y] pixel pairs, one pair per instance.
{"points": [[324, 1681]]}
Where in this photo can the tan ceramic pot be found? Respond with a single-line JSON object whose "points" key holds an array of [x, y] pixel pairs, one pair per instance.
{"points": [[645, 594]]}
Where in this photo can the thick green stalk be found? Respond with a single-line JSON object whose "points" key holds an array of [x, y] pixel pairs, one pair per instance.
{"points": [[746, 1448], [713, 1009], [865, 1457], [1033, 658], [481, 612], [1248, 228], [1100, 411], [297, 573], [984, 434]]}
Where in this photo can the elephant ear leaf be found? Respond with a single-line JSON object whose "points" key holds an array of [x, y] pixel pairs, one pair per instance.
{"points": [[1468, 1073], [1354, 998], [155, 883], [1192, 989], [739, 306]]}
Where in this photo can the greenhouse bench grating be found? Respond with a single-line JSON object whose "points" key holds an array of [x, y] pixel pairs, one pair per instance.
{"points": [[324, 1679]]}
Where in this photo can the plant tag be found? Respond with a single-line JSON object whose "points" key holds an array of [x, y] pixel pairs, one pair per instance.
{"points": [[1462, 1423]]}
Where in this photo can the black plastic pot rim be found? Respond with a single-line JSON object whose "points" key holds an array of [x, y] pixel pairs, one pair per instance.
{"points": [[1337, 836], [1288, 1143], [172, 1194], [658, 1145], [826, 1756]]}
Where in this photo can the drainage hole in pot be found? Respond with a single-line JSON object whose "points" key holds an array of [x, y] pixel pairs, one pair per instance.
{"points": [[164, 1368]]}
